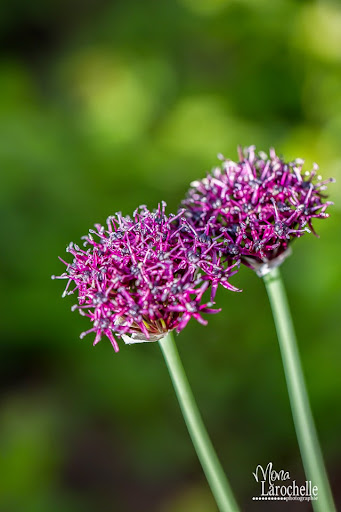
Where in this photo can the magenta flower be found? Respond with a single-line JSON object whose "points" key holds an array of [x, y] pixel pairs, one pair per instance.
{"points": [[139, 278], [257, 206]]}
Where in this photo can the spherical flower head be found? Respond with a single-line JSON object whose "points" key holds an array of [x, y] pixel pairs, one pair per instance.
{"points": [[140, 277], [258, 205]]}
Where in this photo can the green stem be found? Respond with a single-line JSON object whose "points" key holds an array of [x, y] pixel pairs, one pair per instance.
{"points": [[202, 443], [302, 415]]}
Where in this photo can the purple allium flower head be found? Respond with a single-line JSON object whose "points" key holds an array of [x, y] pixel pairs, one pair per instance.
{"points": [[257, 205], [140, 277]]}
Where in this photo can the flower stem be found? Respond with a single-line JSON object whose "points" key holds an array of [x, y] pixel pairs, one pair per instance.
{"points": [[202, 443], [301, 411]]}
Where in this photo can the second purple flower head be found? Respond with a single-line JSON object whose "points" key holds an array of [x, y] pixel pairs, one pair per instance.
{"points": [[257, 205]]}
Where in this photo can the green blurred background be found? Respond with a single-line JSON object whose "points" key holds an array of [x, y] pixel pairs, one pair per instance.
{"points": [[108, 105]]}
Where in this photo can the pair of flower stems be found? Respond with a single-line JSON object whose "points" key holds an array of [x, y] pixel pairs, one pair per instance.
{"points": [[303, 419]]}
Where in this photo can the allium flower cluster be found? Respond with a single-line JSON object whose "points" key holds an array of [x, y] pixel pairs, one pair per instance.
{"points": [[140, 277], [258, 205]]}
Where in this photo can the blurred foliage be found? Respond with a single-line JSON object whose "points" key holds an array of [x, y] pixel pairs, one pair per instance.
{"points": [[107, 105]]}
